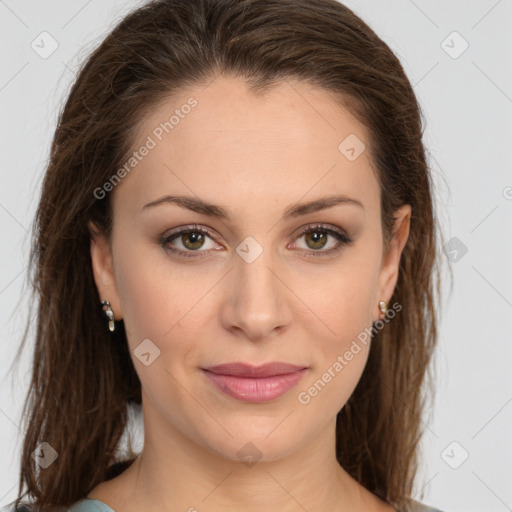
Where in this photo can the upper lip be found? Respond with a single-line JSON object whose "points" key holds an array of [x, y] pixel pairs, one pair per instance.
{"points": [[248, 370]]}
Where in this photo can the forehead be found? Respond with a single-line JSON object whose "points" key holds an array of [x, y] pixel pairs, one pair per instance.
{"points": [[222, 140]]}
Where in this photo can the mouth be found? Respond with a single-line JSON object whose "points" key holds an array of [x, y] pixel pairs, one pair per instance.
{"points": [[255, 384]]}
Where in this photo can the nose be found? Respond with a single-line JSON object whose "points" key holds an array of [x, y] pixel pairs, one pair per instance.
{"points": [[257, 298]]}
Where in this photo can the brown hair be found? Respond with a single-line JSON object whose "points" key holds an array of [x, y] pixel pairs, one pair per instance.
{"points": [[82, 376]]}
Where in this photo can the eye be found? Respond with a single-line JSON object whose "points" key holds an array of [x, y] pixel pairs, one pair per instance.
{"points": [[316, 238], [193, 238]]}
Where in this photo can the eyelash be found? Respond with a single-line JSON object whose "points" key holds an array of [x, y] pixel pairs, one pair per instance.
{"points": [[343, 239]]}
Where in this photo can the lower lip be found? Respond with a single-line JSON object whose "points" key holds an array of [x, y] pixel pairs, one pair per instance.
{"points": [[247, 389]]}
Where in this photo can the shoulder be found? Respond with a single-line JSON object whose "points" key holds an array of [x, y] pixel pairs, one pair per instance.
{"points": [[416, 506], [90, 505], [83, 505]]}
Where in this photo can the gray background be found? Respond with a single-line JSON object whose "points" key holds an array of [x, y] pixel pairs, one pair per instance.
{"points": [[467, 101]]}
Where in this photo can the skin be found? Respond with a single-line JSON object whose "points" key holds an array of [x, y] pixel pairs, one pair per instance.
{"points": [[255, 156]]}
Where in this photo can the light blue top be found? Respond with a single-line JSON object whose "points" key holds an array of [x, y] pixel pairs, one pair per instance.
{"points": [[90, 505], [94, 505]]}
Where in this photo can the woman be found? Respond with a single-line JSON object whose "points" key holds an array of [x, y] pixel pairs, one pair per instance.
{"points": [[236, 233]]}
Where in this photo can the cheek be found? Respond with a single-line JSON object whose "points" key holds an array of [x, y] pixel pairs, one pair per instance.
{"points": [[343, 337], [346, 301], [158, 313], [173, 309], [340, 357], [327, 392], [155, 292]]}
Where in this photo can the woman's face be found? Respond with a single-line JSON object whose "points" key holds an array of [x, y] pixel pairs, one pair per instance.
{"points": [[249, 286]]}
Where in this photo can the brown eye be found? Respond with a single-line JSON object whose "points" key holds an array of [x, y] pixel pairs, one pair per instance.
{"points": [[192, 240], [316, 238]]}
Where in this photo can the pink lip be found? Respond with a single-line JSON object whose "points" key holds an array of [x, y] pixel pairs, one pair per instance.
{"points": [[255, 383]]}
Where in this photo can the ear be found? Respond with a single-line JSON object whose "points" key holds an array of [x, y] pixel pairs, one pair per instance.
{"points": [[388, 275], [103, 270]]}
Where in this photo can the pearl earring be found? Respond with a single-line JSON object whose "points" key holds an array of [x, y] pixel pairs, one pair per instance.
{"points": [[109, 313], [383, 306]]}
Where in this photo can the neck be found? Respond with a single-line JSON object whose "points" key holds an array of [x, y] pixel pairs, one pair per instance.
{"points": [[175, 473]]}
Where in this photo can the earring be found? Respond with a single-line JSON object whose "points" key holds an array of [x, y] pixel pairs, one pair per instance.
{"points": [[109, 313], [383, 306]]}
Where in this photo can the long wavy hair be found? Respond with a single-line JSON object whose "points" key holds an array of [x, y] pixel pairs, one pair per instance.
{"points": [[83, 382]]}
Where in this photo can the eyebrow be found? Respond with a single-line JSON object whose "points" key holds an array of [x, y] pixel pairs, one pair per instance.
{"points": [[199, 206]]}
